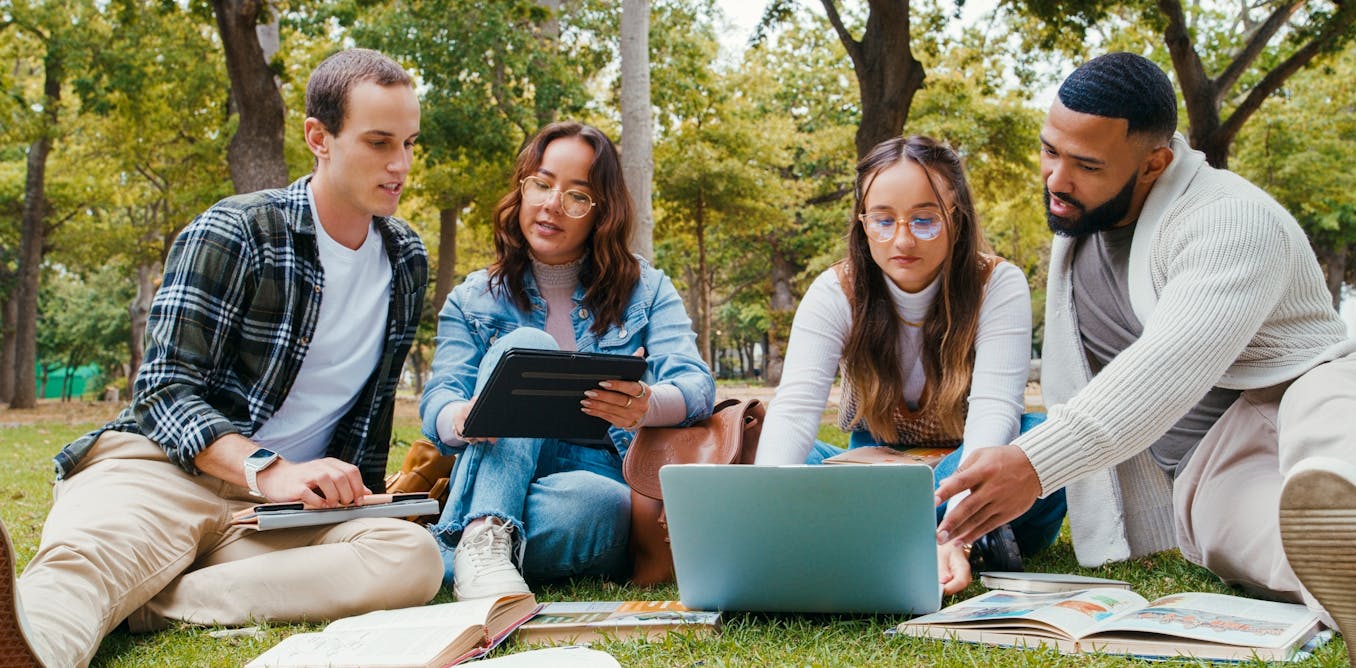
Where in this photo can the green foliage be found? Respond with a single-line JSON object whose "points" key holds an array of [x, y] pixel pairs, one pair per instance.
{"points": [[1299, 149], [84, 320]]}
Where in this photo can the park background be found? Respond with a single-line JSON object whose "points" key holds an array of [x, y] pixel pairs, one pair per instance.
{"points": [[740, 123]]}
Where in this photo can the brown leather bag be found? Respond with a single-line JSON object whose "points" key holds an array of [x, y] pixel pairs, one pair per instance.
{"points": [[729, 436], [424, 470]]}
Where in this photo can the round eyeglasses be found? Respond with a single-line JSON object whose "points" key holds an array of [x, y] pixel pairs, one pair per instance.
{"points": [[923, 224], [575, 203]]}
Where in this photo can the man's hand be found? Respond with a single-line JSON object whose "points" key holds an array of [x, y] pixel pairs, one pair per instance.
{"points": [[953, 567], [322, 483], [1002, 486], [319, 483]]}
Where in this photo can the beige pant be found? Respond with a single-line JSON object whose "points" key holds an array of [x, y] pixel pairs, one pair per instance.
{"points": [[131, 536], [1226, 499]]}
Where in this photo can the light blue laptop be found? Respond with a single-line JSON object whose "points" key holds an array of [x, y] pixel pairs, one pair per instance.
{"points": [[852, 538]]}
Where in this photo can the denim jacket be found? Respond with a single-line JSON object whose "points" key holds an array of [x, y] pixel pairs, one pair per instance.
{"points": [[474, 317]]}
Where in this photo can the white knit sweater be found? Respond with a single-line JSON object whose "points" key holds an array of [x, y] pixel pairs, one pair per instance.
{"points": [[1230, 294], [815, 350]]}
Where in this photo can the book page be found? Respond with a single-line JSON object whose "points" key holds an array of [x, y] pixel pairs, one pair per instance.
{"points": [[1062, 614], [1216, 618], [444, 616], [366, 648]]}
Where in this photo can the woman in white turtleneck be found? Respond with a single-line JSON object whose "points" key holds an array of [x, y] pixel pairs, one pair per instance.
{"points": [[931, 334]]}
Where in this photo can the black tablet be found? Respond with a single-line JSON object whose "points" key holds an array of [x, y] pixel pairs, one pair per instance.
{"points": [[536, 394]]}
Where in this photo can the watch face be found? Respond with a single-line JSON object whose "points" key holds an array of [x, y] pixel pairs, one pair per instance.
{"points": [[260, 457]]}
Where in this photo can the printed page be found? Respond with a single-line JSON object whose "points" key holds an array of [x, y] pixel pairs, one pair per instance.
{"points": [[366, 648], [444, 616], [1068, 614], [1217, 618]]}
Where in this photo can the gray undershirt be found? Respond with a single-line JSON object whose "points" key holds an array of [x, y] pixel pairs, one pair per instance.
{"points": [[1108, 325]]}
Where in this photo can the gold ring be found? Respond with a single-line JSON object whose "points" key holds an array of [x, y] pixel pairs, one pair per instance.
{"points": [[634, 425], [644, 390], [629, 399]]}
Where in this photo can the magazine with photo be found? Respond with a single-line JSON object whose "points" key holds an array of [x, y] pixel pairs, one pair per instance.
{"points": [[583, 622], [1116, 621]]}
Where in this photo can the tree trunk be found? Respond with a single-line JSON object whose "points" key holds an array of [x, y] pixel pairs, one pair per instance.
{"points": [[255, 154], [547, 107], [9, 312], [887, 73], [417, 367], [139, 312], [637, 125], [782, 310], [1334, 263], [704, 284], [447, 255], [33, 236]]}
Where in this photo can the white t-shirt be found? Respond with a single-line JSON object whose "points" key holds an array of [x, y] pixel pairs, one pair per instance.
{"points": [[344, 351]]}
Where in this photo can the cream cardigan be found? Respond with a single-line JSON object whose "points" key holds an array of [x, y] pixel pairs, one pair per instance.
{"points": [[1230, 294]]}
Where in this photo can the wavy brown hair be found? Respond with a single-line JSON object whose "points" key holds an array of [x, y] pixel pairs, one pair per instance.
{"points": [[871, 358], [610, 271]]}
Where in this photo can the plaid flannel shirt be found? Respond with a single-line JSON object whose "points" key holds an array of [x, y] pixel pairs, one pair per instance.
{"points": [[232, 321]]}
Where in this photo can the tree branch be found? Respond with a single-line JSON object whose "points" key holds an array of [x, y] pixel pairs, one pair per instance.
{"points": [[831, 196], [854, 48], [1185, 61], [1338, 26], [1256, 43]]}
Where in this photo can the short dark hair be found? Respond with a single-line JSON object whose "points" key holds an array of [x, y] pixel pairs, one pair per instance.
{"points": [[327, 90], [1124, 85]]}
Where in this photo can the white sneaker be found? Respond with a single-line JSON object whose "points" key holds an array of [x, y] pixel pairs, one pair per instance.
{"points": [[1318, 530], [15, 649], [482, 566]]}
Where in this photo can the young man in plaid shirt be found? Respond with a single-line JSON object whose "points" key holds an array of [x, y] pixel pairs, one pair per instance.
{"points": [[273, 351]]}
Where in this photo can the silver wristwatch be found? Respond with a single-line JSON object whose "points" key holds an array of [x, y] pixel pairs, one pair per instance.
{"points": [[257, 461]]}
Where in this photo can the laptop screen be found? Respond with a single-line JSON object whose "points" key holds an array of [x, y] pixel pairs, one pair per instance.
{"points": [[854, 538]]}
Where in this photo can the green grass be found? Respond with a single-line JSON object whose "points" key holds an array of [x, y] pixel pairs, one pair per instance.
{"points": [[746, 639]]}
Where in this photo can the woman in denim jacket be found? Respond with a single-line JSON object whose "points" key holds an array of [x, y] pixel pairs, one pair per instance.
{"points": [[562, 279]]}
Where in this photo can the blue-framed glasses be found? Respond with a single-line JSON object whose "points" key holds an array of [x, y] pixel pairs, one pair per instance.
{"points": [[924, 224]]}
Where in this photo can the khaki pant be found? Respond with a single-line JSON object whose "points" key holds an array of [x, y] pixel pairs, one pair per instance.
{"points": [[131, 536], [1226, 499]]}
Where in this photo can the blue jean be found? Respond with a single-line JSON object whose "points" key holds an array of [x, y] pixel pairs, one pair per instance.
{"points": [[1035, 530], [568, 503]]}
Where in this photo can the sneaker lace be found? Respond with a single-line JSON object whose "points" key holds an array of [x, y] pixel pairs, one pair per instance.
{"points": [[491, 546]]}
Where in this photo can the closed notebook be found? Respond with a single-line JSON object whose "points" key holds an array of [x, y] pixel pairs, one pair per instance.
{"points": [[587, 621], [266, 516]]}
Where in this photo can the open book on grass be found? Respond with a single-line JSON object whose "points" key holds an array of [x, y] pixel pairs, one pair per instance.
{"points": [[615, 620], [427, 636], [1116, 621]]}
